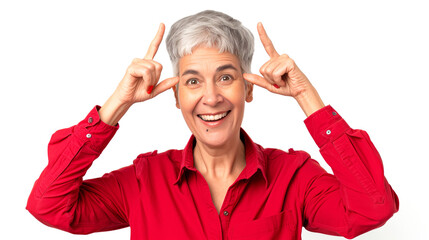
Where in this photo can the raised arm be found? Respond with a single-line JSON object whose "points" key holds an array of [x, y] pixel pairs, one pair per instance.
{"points": [[357, 198], [60, 198], [281, 75], [139, 84]]}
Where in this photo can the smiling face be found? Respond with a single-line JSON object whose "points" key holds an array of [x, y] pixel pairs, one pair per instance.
{"points": [[211, 95]]}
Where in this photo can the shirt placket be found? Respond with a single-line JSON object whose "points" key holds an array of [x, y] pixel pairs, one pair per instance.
{"points": [[226, 211], [228, 205], [214, 231], [219, 222]]}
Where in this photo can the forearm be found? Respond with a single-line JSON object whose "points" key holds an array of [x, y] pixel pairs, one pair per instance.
{"points": [[309, 101], [358, 198], [113, 110], [71, 151]]}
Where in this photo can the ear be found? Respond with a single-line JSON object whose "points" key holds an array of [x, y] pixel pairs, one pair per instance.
{"points": [[175, 90], [249, 91]]}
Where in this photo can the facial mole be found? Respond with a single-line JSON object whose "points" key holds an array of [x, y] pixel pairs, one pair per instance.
{"points": [[207, 130]]}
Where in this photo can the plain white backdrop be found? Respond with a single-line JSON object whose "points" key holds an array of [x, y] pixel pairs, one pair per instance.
{"points": [[58, 59]]}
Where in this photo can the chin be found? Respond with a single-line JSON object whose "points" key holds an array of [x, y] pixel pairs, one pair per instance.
{"points": [[217, 138]]}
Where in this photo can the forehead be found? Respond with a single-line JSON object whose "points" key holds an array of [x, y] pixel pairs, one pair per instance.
{"points": [[207, 59]]}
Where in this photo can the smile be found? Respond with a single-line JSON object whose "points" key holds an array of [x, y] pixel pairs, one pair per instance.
{"points": [[213, 117]]}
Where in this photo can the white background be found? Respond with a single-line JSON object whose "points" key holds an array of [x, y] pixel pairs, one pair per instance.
{"points": [[368, 59]]}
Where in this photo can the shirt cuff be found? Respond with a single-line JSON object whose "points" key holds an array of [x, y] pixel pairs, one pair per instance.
{"points": [[96, 131], [325, 125]]}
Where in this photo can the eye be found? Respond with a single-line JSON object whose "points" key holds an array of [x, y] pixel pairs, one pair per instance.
{"points": [[192, 81], [226, 78]]}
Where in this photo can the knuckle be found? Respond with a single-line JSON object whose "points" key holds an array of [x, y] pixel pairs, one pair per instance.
{"points": [[146, 71], [276, 75], [150, 67], [158, 66], [279, 72], [135, 60], [130, 69], [269, 69]]}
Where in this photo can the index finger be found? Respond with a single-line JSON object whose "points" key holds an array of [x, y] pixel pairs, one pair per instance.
{"points": [[266, 41], [154, 45]]}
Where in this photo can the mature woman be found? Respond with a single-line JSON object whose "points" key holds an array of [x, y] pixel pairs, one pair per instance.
{"points": [[221, 185]]}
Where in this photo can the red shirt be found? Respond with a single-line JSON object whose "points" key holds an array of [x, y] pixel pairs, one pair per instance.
{"points": [[163, 196]]}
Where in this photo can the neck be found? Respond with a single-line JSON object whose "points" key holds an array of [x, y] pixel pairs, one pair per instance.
{"points": [[220, 162]]}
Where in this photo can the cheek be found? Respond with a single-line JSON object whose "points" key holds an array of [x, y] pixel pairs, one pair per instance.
{"points": [[236, 94], [187, 101]]}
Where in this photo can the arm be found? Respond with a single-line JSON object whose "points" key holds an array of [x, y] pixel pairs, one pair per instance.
{"points": [[357, 198], [60, 198]]}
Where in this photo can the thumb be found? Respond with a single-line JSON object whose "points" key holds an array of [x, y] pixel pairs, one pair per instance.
{"points": [[256, 79], [165, 85]]}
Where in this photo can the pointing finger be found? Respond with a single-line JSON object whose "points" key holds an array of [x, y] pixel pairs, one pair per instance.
{"points": [[165, 85], [258, 80], [154, 45], [266, 41]]}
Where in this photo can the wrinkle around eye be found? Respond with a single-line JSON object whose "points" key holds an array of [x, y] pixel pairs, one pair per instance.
{"points": [[226, 75], [192, 81], [228, 81]]}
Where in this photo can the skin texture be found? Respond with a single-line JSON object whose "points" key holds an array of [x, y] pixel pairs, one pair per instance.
{"points": [[206, 90], [219, 152], [140, 83], [209, 92]]}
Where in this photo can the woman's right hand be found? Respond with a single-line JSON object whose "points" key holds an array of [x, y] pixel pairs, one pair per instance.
{"points": [[139, 84], [140, 81]]}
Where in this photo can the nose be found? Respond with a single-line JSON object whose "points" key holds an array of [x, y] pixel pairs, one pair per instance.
{"points": [[212, 96]]}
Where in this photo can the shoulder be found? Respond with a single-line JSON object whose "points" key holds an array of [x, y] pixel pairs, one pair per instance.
{"points": [[287, 163], [290, 157], [153, 162], [295, 162], [291, 167], [174, 156]]}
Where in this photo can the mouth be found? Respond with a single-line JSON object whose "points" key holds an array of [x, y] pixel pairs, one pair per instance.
{"points": [[213, 117]]}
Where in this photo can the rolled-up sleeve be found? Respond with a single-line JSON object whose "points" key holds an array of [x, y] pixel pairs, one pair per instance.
{"points": [[60, 198], [357, 198]]}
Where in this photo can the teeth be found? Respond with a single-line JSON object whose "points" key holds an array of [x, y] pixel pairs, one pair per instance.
{"points": [[213, 117]]}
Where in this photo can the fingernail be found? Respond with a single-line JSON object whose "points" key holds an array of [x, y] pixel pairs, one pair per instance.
{"points": [[149, 89], [276, 86]]}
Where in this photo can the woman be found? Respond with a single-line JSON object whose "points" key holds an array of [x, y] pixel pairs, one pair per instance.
{"points": [[221, 185]]}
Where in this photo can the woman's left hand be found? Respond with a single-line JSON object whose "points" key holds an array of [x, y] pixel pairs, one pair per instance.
{"points": [[282, 76]]}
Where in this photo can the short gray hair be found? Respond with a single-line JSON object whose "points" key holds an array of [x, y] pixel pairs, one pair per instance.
{"points": [[211, 29]]}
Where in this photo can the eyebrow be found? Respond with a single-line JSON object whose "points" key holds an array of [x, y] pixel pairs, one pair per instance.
{"points": [[219, 69]]}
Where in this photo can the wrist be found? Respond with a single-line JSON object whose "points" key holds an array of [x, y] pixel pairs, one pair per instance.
{"points": [[113, 110], [309, 101]]}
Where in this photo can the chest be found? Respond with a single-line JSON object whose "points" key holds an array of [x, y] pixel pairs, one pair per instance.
{"points": [[218, 190], [203, 209]]}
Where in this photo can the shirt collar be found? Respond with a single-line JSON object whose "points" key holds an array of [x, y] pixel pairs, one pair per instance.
{"points": [[255, 159]]}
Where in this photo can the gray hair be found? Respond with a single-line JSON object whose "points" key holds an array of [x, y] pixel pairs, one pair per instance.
{"points": [[211, 29]]}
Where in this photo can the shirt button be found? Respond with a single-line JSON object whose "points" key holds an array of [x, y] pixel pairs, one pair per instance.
{"points": [[88, 135], [334, 113], [226, 213], [328, 132], [90, 119]]}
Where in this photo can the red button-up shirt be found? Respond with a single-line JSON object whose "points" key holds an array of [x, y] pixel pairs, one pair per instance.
{"points": [[163, 196]]}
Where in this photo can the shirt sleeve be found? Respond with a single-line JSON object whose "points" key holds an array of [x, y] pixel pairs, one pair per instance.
{"points": [[357, 198], [61, 199]]}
